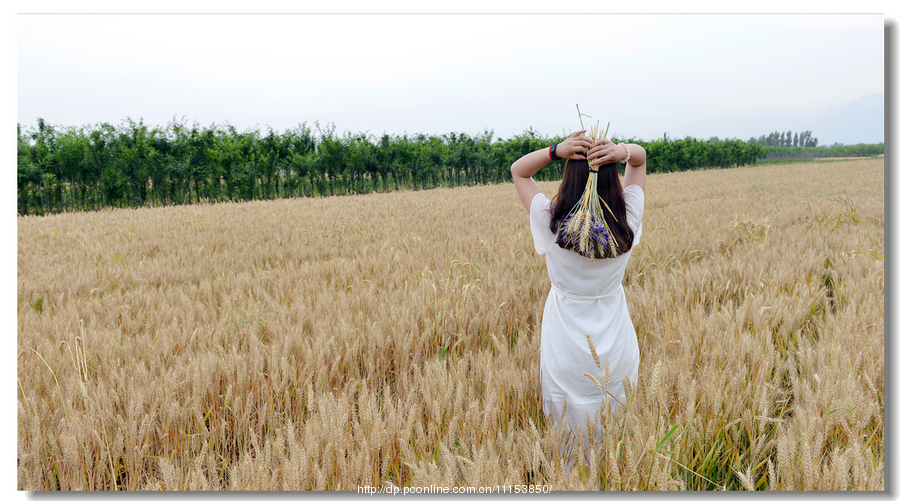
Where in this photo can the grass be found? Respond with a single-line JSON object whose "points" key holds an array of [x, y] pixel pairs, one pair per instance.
{"points": [[393, 339]]}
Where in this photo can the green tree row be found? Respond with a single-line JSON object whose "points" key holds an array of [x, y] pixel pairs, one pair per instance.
{"points": [[785, 140], [135, 165], [777, 154], [781, 146], [666, 155]]}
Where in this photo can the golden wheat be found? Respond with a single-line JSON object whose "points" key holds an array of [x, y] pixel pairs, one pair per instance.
{"points": [[393, 340]]}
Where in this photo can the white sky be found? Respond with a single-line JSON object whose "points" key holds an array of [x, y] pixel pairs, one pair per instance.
{"points": [[681, 74]]}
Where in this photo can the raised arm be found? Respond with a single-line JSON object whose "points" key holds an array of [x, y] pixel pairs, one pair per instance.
{"points": [[522, 169], [605, 151]]}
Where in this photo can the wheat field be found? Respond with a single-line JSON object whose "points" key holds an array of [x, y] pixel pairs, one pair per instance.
{"points": [[392, 341]]}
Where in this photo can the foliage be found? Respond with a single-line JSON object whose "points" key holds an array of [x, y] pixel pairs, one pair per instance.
{"points": [[834, 151], [134, 165], [785, 140]]}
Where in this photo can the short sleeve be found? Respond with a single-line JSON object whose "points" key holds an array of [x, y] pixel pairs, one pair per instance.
{"points": [[634, 210], [540, 223]]}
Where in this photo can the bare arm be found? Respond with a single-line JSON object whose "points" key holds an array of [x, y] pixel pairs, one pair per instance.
{"points": [[635, 169], [525, 167]]}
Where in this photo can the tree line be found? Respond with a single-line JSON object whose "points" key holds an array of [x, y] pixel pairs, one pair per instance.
{"points": [[803, 146], [777, 154], [785, 140], [133, 164], [137, 165]]}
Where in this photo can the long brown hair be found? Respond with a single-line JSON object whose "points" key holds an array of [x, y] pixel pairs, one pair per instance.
{"points": [[571, 189]]}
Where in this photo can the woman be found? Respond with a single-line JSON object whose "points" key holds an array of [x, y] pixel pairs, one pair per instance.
{"points": [[586, 296]]}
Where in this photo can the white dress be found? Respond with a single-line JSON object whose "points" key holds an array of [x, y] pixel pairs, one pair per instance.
{"points": [[585, 298]]}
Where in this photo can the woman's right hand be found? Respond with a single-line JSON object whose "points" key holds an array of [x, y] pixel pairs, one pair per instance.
{"points": [[575, 147], [605, 151]]}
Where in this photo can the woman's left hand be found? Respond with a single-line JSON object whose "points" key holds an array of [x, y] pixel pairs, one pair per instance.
{"points": [[605, 151], [574, 147]]}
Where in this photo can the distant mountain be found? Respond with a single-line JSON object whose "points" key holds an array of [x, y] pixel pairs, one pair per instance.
{"points": [[860, 121]]}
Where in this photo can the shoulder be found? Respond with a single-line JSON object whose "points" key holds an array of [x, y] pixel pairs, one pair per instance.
{"points": [[541, 198], [540, 223], [634, 190], [634, 204], [634, 196], [540, 202]]}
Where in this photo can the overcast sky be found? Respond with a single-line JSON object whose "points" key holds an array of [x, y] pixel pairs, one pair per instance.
{"points": [[699, 75]]}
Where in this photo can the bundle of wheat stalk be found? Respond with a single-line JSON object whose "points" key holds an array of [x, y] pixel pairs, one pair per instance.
{"points": [[585, 226]]}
